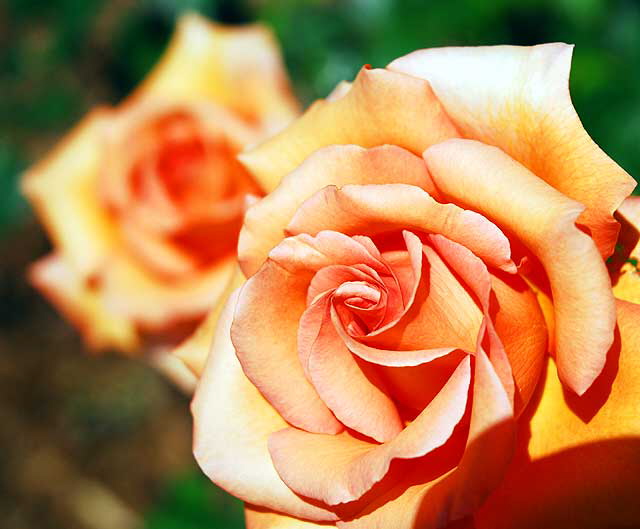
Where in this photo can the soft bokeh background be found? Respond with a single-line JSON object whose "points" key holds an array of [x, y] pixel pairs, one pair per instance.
{"points": [[104, 442]]}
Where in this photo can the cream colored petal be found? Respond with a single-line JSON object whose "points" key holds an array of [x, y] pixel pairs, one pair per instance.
{"points": [[63, 189], [517, 98], [195, 349], [82, 305], [382, 107], [132, 292], [257, 518], [232, 422], [470, 174], [237, 67]]}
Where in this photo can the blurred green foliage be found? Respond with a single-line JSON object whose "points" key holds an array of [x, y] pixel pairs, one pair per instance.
{"points": [[60, 58], [190, 502]]}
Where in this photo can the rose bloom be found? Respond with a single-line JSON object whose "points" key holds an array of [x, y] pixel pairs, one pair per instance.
{"points": [[144, 201], [433, 230]]}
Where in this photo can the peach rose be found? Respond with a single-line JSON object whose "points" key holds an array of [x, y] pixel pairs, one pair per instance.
{"points": [[433, 230], [144, 201]]}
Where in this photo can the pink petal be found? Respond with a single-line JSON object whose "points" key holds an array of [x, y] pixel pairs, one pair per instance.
{"points": [[544, 220], [232, 423], [301, 458], [524, 108]]}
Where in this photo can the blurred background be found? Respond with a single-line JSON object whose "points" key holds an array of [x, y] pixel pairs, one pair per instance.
{"points": [[104, 442]]}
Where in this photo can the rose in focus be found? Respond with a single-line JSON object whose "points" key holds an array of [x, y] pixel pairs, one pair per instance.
{"points": [[144, 201], [432, 231]]}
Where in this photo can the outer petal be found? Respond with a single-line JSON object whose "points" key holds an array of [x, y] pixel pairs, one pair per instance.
{"points": [[63, 189], [194, 351], [382, 107], [338, 165], [453, 496], [129, 290], [57, 280], [626, 274], [583, 469], [232, 422], [340, 468], [240, 68], [256, 518], [544, 220], [524, 107], [174, 369]]}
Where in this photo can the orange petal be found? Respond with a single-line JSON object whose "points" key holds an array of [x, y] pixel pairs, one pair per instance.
{"points": [[131, 291], [336, 165], [346, 389], [434, 504], [524, 107], [520, 324], [443, 316], [174, 369], [490, 443], [82, 305], [580, 461], [382, 107], [257, 518], [269, 358], [626, 274], [544, 220], [63, 190], [474, 275], [232, 423], [194, 350], [237, 67], [340, 468], [156, 252], [371, 209]]}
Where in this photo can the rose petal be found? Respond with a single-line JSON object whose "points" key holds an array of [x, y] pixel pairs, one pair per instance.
{"points": [[355, 399], [269, 359], [62, 188], [232, 422], [194, 350], [240, 68], [474, 275], [580, 461], [519, 322], [371, 209], [82, 305], [278, 292], [130, 290], [544, 219], [525, 108], [174, 369], [156, 252], [355, 466], [443, 317], [257, 518], [434, 504], [373, 112], [340, 90], [266, 221]]}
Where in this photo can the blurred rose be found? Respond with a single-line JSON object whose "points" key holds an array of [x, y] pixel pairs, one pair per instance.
{"points": [[144, 201], [433, 230]]}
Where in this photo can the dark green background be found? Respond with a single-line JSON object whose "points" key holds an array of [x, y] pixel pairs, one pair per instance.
{"points": [[59, 58]]}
